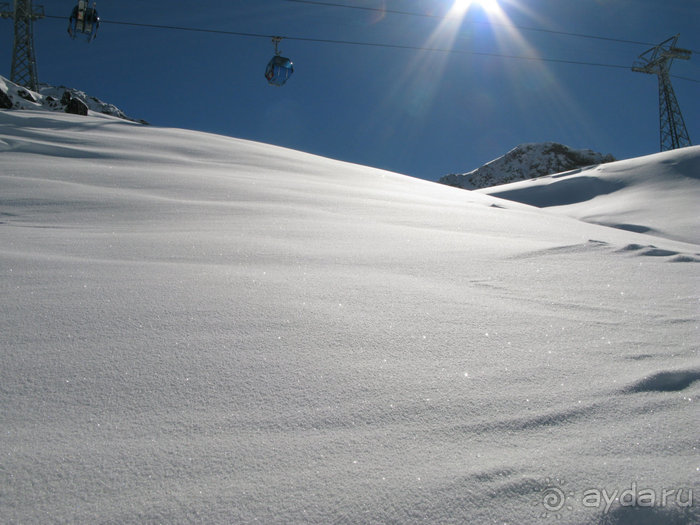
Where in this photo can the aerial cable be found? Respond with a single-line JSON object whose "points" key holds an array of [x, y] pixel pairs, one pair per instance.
{"points": [[489, 23], [686, 78], [349, 42], [175, 28], [360, 43]]}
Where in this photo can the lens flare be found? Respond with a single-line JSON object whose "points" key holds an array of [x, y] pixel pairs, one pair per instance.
{"points": [[490, 6], [460, 7]]}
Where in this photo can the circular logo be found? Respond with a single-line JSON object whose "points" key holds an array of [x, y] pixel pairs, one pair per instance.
{"points": [[553, 499]]}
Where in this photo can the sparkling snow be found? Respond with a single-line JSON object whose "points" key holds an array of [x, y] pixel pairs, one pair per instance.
{"points": [[202, 329]]}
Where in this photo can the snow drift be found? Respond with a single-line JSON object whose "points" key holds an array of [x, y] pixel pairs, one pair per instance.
{"points": [[641, 195], [202, 329]]}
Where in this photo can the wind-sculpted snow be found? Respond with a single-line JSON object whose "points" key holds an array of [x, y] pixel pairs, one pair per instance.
{"points": [[666, 381], [654, 194], [570, 191], [202, 329]]}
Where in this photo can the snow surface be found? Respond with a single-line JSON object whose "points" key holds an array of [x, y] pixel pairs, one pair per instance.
{"points": [[202, 329], [657, 194]]}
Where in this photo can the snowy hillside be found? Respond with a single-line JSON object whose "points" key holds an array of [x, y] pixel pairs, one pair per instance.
{"points": [[203, 329], [641, 195], [53, 98], [525, 162]]}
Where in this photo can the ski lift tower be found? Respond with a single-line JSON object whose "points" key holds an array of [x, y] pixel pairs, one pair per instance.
{"points": [[657, 61], [23, 71]]}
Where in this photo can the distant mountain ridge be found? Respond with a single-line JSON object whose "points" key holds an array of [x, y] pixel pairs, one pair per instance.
{"points": [[526, 161], [54, 98]]}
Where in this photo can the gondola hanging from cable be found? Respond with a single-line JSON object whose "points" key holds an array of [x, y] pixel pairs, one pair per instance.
{"points": [[279, 68], [84, 21]]}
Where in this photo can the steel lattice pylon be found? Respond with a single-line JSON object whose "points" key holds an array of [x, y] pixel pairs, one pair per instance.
{"points": [[657, 61], [23, 70]]}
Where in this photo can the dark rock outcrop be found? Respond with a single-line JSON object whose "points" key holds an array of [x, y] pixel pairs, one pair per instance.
{"points": [[5, 100], [26, 95], [77, 107]]}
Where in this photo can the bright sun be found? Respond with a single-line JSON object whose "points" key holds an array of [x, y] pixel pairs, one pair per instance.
{"points": [[461, 6]]}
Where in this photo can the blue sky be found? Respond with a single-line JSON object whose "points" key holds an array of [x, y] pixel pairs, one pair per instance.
{"points": [[417, 112]]}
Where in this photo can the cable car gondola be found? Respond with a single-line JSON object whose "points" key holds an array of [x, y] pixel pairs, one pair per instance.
{"points": [[84, 21], [279, 68]]}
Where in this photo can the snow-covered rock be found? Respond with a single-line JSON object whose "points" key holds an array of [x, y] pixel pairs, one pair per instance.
{"points": [[54, 98], [525, 162]]}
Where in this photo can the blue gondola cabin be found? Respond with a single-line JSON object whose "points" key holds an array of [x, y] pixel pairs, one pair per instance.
{"points": [[278, 70]]}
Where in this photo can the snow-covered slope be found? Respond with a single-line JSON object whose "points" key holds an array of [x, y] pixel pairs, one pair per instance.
{"points": [[53, 98], [525, 162], [658, 194], [202, 329]]}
